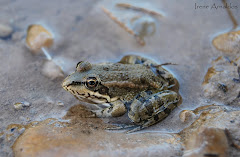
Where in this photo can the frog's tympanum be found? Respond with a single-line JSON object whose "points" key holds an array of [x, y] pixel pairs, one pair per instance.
{"points": [[135, 85]]}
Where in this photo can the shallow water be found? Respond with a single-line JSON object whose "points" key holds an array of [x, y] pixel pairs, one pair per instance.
{"points": [[82, 31]]}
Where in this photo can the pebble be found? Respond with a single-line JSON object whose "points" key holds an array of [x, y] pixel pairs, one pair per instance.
{"points": [[60, 103], [26, 104], [18, 106], [227, 42], [51, 70], [37, 38], [186, 116], [49, 100], [5, 31], [21, 105], [144, 26]]}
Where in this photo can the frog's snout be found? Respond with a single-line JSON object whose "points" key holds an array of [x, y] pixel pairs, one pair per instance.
{"points": [[66, 82]]}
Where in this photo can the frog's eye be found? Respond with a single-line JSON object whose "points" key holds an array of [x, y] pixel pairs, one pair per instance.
{"points": [[91, 82], [83, 66]]}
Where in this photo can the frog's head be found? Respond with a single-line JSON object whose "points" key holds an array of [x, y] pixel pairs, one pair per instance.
{"points": [[85, 83]]}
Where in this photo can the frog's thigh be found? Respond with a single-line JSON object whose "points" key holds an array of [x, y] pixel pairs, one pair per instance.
{"points": [[148, 111], [116, 109], [134, 59]]}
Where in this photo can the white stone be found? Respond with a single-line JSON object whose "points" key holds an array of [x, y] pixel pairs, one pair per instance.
{"points": [[51, 70], [5, 30]]}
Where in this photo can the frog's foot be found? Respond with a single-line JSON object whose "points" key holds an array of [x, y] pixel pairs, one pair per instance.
{"points": [[136, 128], [146, 124], [146, 111], [121, 126], [170, 86], [93, 115], [132, 128], [163, 64], [116, 109]]}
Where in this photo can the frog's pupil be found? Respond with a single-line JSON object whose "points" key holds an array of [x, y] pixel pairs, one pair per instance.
{"points": [[91, 83]]}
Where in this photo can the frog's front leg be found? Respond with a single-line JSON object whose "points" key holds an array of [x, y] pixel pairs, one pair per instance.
{"points": [[116, 108], [146, 111]]}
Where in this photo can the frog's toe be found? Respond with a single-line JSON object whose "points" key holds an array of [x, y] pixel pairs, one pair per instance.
{"points": [[93, 115], [136, 128], [120, 127]]}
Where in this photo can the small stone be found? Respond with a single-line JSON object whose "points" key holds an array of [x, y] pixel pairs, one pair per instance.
{"points": [[186, 116], [21, 105], [144, 26], [5, 31], [18, 106], [25, 104], [49, 100], [228, 42], [60, 103], [38, 37], [51, 70]]}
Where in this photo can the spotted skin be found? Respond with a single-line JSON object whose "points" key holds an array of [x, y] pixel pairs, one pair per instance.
{"points": [[147, 111], [135, 85]]}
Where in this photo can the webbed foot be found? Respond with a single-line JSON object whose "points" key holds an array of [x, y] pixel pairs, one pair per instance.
{"points": [[120, 127]]}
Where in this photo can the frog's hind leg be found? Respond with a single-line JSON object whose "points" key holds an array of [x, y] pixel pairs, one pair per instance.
{"points": [[134, 59], [116, 108], [156, 68], [148, 111]]}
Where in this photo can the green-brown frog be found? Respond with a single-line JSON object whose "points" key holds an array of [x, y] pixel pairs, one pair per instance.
{"points": [[135, 85]]}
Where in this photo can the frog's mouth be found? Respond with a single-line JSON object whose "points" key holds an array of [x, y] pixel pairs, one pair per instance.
{"points": [[82, 93]]}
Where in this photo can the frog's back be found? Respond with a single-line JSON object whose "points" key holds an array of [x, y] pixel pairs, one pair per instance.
{"points": [[135, 75]]}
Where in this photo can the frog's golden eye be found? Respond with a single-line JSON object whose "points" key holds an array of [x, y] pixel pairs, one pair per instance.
{"points": [[91, 82]]}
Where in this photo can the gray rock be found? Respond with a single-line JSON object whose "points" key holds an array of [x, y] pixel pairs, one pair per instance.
{"points": [[222, 82]]}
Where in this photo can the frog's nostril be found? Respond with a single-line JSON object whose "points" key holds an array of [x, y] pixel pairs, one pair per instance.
{"points": [[75, 83], [66, 82]]}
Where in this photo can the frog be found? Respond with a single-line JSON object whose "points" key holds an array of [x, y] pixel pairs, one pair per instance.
{"points": [[135, 85]]}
